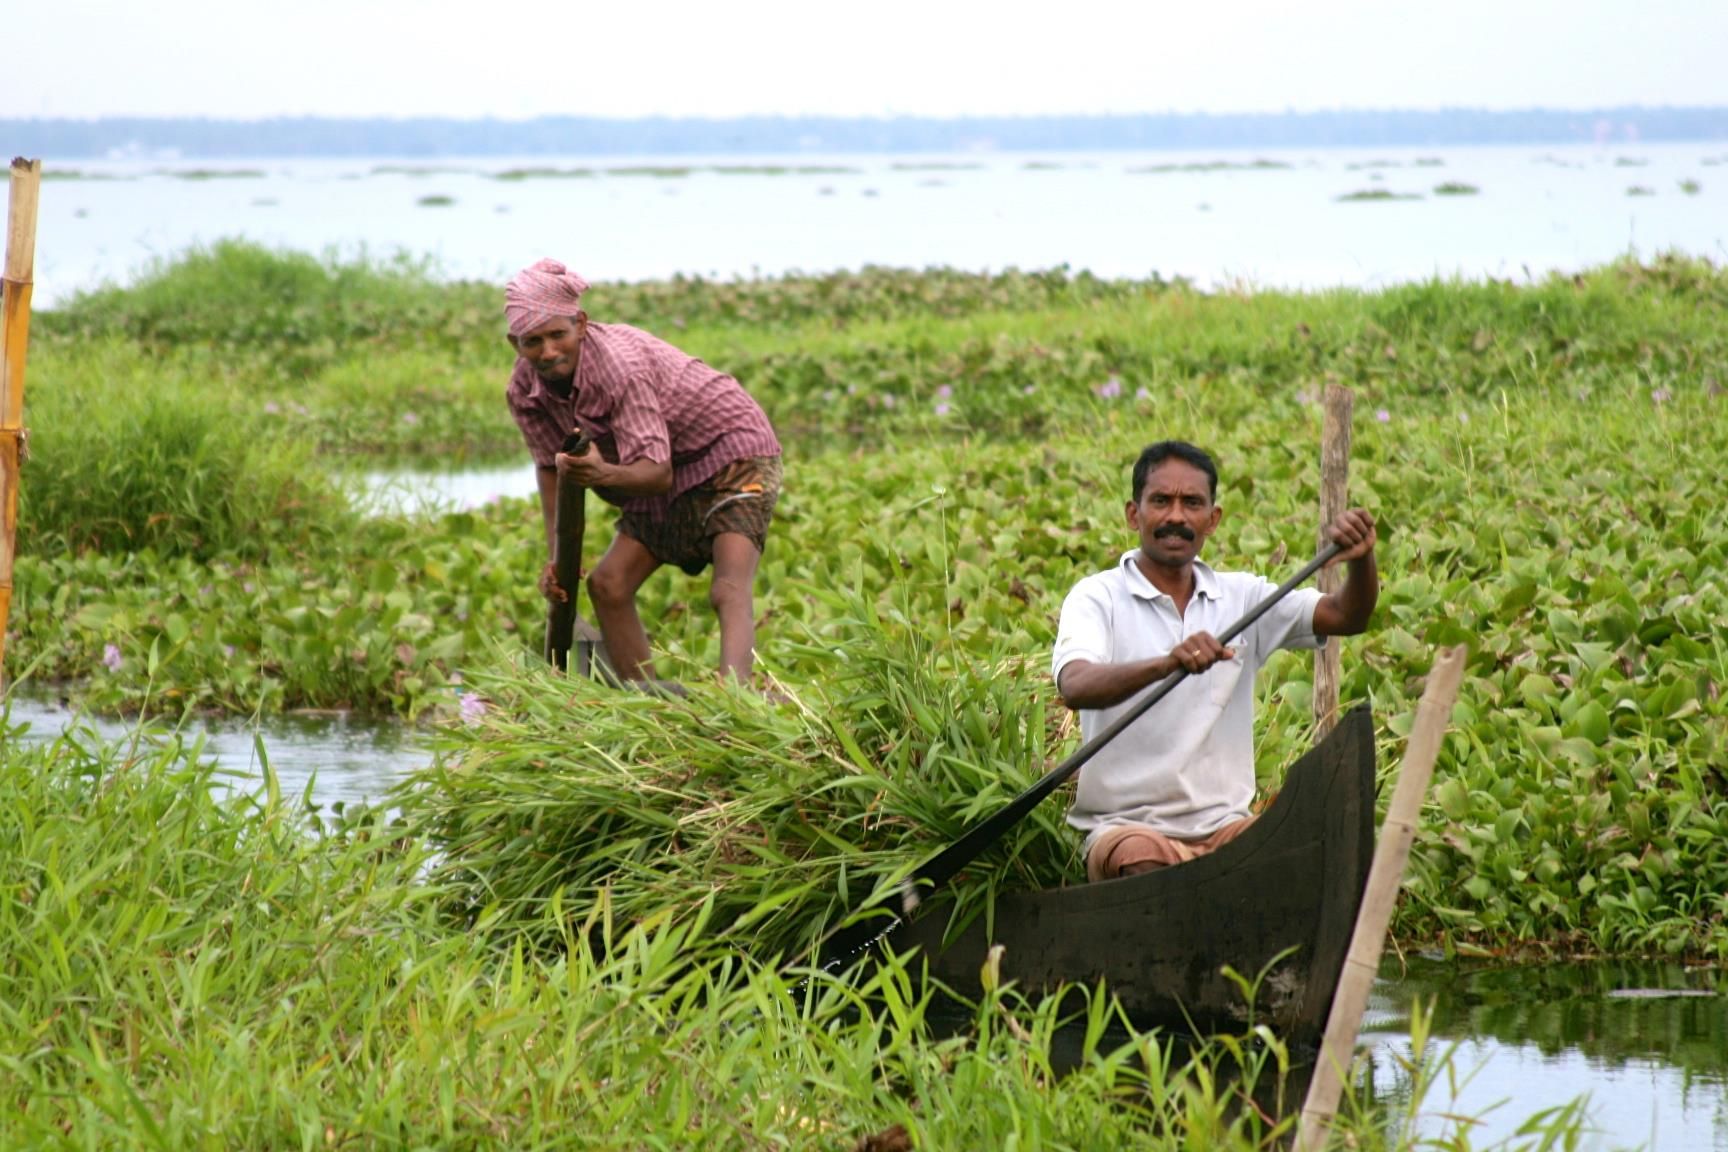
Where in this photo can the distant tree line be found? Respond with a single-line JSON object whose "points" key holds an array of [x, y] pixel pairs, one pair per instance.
{"points": [[578, 136]]}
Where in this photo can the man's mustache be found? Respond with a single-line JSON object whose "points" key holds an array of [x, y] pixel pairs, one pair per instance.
{"points": [[1181, 530]]}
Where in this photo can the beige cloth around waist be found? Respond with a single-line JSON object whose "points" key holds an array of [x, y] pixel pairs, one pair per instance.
{"points": [[1128, 849]]}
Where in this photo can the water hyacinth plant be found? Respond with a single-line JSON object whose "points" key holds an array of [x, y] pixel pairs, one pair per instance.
{"points": [[1541, 475]]}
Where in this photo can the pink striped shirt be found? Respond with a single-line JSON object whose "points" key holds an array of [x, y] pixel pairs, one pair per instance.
{"points": [[639, 398]]}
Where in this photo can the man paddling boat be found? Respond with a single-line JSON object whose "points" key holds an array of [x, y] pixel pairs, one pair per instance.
{"points": [[686, 454], [1178, 782]]}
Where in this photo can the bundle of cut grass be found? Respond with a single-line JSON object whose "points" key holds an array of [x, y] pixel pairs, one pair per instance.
{"points": [[787, 815]]}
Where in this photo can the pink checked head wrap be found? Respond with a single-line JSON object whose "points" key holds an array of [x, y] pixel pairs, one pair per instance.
{"points": [[541, 293]]}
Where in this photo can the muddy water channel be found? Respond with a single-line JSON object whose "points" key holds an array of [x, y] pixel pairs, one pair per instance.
{"points": [[1643, 1049]]}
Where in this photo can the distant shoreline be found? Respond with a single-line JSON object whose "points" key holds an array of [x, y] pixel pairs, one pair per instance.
{"points": [[204, 138]]}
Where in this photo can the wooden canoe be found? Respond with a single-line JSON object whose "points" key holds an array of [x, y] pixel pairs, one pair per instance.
{"points": [[1281, 899]]}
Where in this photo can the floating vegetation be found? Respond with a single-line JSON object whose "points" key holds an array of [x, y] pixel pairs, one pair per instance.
{"points": [[1378, 194], [212, 173], [1630, 162], [1456, 188], [513, 174], [76, 174], [784, 170], [1041, 166], [673, 172], [1691, 187], [1419, 162], [935, 165], [416, 170], [1640, 190], [204, 565], [436, 201], [1213, 166]]}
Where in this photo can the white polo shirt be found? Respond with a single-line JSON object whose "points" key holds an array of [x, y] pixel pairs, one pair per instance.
{"points": [[1186, 767]]}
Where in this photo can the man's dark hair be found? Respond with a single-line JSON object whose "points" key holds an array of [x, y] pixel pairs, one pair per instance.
{"points": [[1156, 454]]}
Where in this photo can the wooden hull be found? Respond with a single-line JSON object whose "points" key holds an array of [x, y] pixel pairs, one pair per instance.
{"points": [[1280, 900]]}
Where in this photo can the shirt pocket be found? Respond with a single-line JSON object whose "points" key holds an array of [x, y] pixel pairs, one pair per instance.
{"points": [[1221, 681]]}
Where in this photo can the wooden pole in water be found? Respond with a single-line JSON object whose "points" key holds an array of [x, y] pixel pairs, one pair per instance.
{"points": [[1362, 962], [1334, 499], [14, 338]]}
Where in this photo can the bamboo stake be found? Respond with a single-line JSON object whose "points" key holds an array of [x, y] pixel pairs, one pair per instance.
{"points": [[1334, 499], [14, 338], [1362, 962]]}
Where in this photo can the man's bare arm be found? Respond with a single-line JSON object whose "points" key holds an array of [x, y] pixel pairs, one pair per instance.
{"points": [[637, 478], [1094, 684], [1346, 612]]}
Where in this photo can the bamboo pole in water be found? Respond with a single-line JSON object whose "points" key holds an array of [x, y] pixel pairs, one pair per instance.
{"points": [[1334, 499], [1385, 876], [14, 338]]}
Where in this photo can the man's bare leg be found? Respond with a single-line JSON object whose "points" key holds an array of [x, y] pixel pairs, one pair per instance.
{"points": [[731, 594], [612, 587]]}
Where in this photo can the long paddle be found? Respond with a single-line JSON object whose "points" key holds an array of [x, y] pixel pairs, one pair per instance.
{"points": [[942, 867], [569, 523]]}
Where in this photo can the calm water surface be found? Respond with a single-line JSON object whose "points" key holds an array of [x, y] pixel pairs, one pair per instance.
{"points": [[335, 757], [1647, 1044], [1212, 216], [406, 492]]}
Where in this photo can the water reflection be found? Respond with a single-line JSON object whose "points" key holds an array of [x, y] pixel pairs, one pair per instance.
{"points": [[407, 493], [1648, 1044], [333, 757]]}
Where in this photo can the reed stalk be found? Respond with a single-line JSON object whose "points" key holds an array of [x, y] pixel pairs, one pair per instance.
{"points": [[14, 338]]}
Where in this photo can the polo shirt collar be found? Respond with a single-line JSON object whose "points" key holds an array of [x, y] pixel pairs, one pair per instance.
{"points": [[1205, 580]]}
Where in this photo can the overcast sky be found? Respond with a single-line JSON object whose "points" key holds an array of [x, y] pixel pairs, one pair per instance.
{"points": [[473, 58]]}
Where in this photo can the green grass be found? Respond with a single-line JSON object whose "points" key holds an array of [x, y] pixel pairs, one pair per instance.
{"points": [[184, 966], [568, 939], [126, 462]]}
